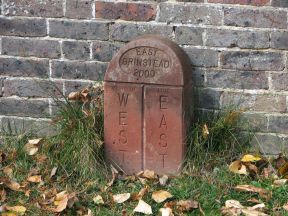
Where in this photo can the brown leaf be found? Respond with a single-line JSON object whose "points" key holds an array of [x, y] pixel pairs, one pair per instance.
{"points": [[238, 168], [249, 212], [61, 202], [2, 195], [280, 161], [41, 158], [120, 198], [253, 200], [141, 193], [143, 207], [230, 211], [161, 195], [283, 169], [187, 205], [74, 96], [34, 179], [12, 185], [280, 181], [285, 207], [8, 171], [266, 194], [149, 174], [32, 147]]}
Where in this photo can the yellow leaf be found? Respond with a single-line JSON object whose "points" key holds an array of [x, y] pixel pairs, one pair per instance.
{"points": [[120, 198], [143, 207], [161, 196], [34, 179], [238, 168], [20, 210], [205, 131], [98, 200], [250, 158]]}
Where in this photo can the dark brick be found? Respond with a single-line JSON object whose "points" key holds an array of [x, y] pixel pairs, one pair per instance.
{"points": [[35, 8], [207, 98], [32, 88], [198, 77], [126, 10], [22, 27], [242, 2], [23, 67], [254, 102], [75, 86], [126, 32], [78, 70], [270, 143], [280, 3], [279, 40], [76, 50], [279, 81], [18, 126], [234, 38], [104, 50], [278, 124], [253, 121], [1, 86], [31, 47], [255, 18], [31, 108], [79, 30], [237, 79], [188, 35], [202, 57], [252, 60], [190, 13], [79, 9]]}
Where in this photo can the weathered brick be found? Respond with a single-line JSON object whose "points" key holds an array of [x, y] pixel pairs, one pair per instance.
{"points": [[1, 86], [279, 40], [190, 13], [79, 9], [242, 2], [24, 67], [18, 126], [252, 60], [255, 18], [79, 30], [126, 32], [78, 70], [254, 102], [36, 8], [279, 81], [76, 50], [278, 124], [75, 86], [234, 38], [32, 88], [237, 79], [280, 3], [253, 121], [207, 98], [202, 57], [198, 77], [126, 10], [188, 35], [22, 27], [31, 47], [21, 107], [270, 143], [104, 50]]}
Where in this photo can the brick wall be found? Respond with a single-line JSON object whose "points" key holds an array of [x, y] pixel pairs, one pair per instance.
{"points": [[238, 51]]}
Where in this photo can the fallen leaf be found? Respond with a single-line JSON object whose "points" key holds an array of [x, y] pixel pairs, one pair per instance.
{"points": [[8, 171], [53, 172], [285, 207], [238, 168], [61, 202], [161, 196], [34, 179], [12, 185], [205, 131], [148, 174], [230, 211], [233, 204], [248, 212], [41, 158], [20, 210], [283, 169], [280, 181], [166, 212], [258, 206], [89, 213], [143, 207], [187, 205], [120, 198], [32, 147], [280, 161], [2, 195], [74, 96], [250, 158], [163, 180], [253, 200], [266, 194], [98, 200], [141, 193]]}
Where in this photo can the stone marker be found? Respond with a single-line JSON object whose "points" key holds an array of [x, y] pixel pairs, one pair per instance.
{"points": [[147, 100]]}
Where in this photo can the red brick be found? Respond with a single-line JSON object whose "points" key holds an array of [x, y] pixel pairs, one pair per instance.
{"points": [[242, 2], [125, 11]]}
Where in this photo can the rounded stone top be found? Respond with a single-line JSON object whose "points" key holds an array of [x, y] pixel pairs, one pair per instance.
{"points": [[150, 59]]}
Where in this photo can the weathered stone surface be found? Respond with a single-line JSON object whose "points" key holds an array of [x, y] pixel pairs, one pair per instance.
{"points": [[32, 88], [78, 70], [24, 67], [76, 50], [1, 86], [189, 35], [75, 86], [127, 31], [237, 79], [190, 13], [95, 30], [278, 124], [242, 2], [22, 27], [198, 77], [30, 108], [31, 47], [36, 8], [104, 50], [270, 61], [253, 122], [237, 38], [207, 98], [79, 9], [202, 57], [280, 3], [255, 18], [279, 40], [255, 102], [126, 10], [279, 81]]}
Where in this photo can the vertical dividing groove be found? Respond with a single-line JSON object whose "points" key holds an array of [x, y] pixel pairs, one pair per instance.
{"points": [[143, 129]]}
